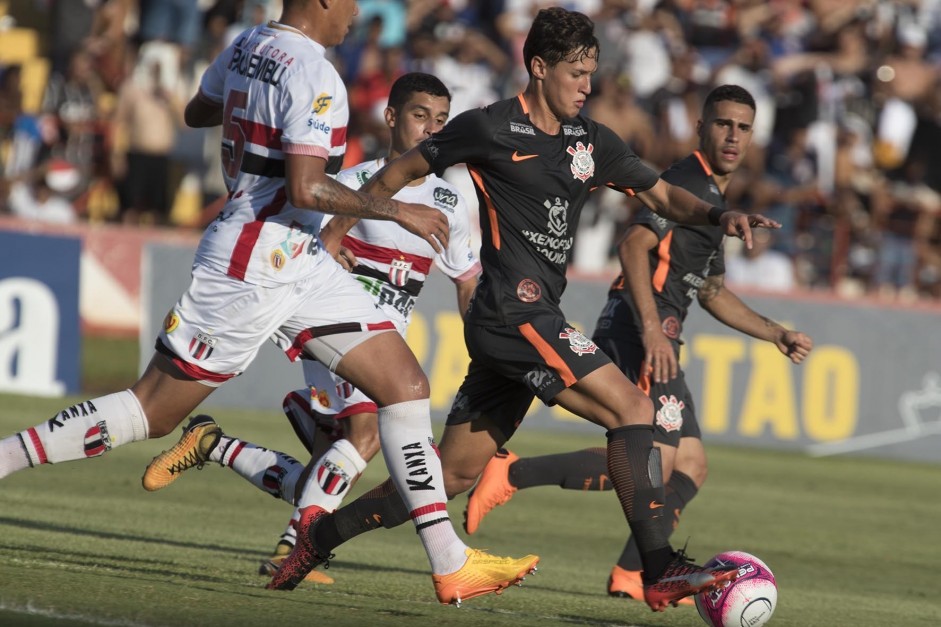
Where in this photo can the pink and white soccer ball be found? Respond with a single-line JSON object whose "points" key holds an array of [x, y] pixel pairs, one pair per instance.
{"points": [[749, 601]]}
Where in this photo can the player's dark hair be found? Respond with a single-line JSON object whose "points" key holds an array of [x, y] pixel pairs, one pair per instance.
{"points": [[558, 35], [727, 92], [415, 82]]}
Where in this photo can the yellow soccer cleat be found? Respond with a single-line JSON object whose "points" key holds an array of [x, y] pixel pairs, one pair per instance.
{"points": [[271, 565], [492, 489], [481, 574], [199, 437]]}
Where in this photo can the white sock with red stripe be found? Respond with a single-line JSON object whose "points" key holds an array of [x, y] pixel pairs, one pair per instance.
{"points": [[412, 458], [13, 455], [269, 471], [87, 429], [332, 476]]}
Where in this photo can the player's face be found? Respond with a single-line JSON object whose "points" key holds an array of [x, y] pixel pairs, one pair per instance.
{"points": [[567, 85], [725, 134], [421, 116], [341, 16]]}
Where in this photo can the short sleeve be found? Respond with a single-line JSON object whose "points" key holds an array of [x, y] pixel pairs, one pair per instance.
{"points": [[212, 84], [458, 260], [619, 167], [314, 112], [463, 140], [655, 222]]}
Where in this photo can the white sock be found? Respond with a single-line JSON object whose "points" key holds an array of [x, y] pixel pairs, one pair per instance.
{"points": [[13, 455], [270, 471], [409, 451], [87, 429], [290, 533], [332, 476]]}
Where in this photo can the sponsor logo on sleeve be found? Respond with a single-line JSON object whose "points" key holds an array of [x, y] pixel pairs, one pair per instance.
{"points": [[321, 103]]}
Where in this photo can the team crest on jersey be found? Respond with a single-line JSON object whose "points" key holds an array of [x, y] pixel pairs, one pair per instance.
{"points": [[528, 291], [171, 322], [97, 440], [670, 415], [578, 341], [202, 345], [558, 211], [583, 166], [399, 269], [332, 478], [445, 198], [321, 103], [319, 397]]}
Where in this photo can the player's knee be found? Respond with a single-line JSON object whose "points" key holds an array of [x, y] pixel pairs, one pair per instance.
{"points": [[636, 409]]}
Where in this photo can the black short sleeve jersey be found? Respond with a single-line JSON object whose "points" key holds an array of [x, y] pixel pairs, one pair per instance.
{"points": [[681, 262], [531, 187]]}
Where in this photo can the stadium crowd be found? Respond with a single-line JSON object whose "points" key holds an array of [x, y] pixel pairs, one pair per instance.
{"points": [[846, 152]]}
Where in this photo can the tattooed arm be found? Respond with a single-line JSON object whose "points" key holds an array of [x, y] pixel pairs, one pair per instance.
{"points": [[309, 187], [728, 309]]}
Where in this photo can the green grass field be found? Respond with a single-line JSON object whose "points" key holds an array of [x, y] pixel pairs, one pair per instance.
{"points": [[852, 542]]}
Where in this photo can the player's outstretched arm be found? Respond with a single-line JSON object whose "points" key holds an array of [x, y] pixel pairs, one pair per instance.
{"points": [[728, 309], [309, 187], [681, 206]]}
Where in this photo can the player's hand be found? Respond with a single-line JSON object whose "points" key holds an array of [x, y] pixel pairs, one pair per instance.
{"points": [[738, 224], [346, 258], [331, 239], [659, 357], [427, 223], [795, 345]]}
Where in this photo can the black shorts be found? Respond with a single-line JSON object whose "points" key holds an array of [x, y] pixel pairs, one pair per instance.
{"points": [[513, 364], [674, 411]]}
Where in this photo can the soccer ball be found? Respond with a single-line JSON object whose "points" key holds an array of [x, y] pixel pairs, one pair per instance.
{"points": [[749, 601]]}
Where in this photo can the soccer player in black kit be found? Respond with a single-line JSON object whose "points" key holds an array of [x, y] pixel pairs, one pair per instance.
{"points": [[665, 266], [534, 159]]}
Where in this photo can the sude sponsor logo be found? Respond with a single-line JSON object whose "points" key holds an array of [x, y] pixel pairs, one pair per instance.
{"points": [[417, 467]]}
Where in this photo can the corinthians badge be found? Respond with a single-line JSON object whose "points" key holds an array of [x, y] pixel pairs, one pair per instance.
{"points": [[583, 166]]}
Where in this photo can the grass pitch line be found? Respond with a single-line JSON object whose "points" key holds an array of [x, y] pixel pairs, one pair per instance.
{"points": [[50, 613]]}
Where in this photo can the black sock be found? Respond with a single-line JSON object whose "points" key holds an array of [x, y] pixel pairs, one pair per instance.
{"points": [[579, 470], [680, 491], [380, 507], [635, 469]]}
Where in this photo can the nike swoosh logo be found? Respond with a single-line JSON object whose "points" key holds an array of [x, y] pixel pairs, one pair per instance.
{"points": [[655, 505], [518, 157]]}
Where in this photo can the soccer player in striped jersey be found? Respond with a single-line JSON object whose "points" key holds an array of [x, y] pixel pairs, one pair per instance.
{"points": [[261, 269], [335, 421]]}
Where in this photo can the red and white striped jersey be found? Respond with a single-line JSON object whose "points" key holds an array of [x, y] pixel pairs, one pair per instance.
{"points": [[280, 96], [393, 263]]}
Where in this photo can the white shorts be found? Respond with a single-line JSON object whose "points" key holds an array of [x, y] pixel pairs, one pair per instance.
{"points": [[218, 326]]}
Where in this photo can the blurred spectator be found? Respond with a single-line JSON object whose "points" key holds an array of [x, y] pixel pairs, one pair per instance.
{"points": [[146, 119], [760, 267], [904, 211], [42, 195], [71, 100]]}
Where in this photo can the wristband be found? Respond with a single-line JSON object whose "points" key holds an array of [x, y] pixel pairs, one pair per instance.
{"points": [[714, 214]]}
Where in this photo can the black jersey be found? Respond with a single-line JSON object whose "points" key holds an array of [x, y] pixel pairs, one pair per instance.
{"points": [[680, 264], [531, 187]]}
